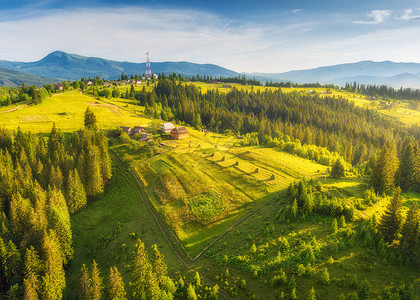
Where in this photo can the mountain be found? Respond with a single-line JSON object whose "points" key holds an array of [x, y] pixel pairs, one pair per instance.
{"points": [[12, 78], [367, 72], [66, 66]]}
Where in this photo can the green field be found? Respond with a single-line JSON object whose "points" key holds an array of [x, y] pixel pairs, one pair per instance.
{"points": [[67, 112]]}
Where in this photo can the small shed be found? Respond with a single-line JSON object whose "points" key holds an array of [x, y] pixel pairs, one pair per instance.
{"points": [[179, 133], [167, 127]]}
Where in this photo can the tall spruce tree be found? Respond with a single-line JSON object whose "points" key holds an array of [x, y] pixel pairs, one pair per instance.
{"points": [[390, 222], [115, 287], [410, 232], [96, 282], [159, 266], [76, 195], [408, 174], [383, 172], [85, 284]]}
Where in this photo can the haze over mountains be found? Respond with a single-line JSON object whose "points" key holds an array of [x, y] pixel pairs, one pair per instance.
{"points": [[64, 66]]}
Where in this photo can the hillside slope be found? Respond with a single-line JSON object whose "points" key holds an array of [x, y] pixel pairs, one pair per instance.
{"points": [[12, 78]]}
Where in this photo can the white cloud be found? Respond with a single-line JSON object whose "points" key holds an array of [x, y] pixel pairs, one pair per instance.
{"points": [[375, 17], [296, 10], [407, 15]]}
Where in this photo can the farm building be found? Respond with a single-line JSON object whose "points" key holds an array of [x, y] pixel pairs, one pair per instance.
{"points": [[179, 133], [126, 129], [167, 127], [138, 129], [58, 87]]}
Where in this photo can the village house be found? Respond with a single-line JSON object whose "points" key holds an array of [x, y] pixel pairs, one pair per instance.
{"points": [[123, 82], [107, 83], [167, 127], [179, 133], [58, 87], [88, 82]]}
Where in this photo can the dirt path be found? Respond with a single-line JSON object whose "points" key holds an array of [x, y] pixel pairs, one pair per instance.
{"points": [[16, 108]]}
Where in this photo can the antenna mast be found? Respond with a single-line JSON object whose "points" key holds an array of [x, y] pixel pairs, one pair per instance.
{"points": [[148, 68]]}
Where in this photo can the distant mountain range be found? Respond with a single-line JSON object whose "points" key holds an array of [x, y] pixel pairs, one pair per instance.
{"points": [[367, 72], [64, 66], [12, 78]]}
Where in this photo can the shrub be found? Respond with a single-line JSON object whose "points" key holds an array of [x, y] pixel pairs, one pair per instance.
{"points": [[364, 289], [301, 270], [325, 277]]}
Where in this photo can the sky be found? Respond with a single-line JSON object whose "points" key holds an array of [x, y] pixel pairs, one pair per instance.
{"points": [[245, 36]]}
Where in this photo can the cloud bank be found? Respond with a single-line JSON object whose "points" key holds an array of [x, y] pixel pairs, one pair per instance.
{"points": [[374, 17]]}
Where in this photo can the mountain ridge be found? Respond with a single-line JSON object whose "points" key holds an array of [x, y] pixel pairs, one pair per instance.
{"points": [[65, 66]]}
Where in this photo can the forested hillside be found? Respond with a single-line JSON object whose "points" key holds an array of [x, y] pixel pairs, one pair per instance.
{"points": [[42, 182]]}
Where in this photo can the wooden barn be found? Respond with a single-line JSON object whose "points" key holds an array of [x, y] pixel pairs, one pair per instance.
{"points": [[179, 133]]}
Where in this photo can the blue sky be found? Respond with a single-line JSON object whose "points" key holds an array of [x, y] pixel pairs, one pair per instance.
{"points": [[245, 36]]}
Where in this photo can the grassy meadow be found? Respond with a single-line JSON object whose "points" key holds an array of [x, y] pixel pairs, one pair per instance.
{"points": [[67, 112]]}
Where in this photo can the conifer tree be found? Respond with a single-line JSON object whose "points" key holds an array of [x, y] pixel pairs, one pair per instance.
{"points": [[141, 273], [76, 195], [96, 282], [408, 173], [391, 221], [115, 288], [85, 284], [159, 266], [90, 120], [31, 287], [410, 232], [54, 280], [311, 294], [191, 294], [384, 169], [92, 170], [337, 169]]}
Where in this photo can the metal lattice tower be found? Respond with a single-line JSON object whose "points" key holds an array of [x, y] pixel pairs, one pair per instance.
{"points": [[148, 68]]}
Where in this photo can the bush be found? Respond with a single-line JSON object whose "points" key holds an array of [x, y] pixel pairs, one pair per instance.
{"points": [[364, 289], [325, 277]]}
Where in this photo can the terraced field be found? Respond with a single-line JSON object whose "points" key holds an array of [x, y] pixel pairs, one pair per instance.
{"points": [[229, 182]]}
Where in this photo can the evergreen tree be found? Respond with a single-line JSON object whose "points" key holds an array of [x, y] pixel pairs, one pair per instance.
{"points": [[312, 294], [410, 232], [337, 169], [31, 287], [90, 120], [391, 221], [383, 172], [364, 289], [325, 277], [408, 174], [144, 282], [85, 284], [76, 195], [92, 172], [54, 280], [191, 294], [115, 287], [159, 266], [132, 92], [96, 282]]}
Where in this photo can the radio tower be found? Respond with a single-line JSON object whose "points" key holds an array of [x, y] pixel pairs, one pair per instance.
{"points": [[148, 68]]}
